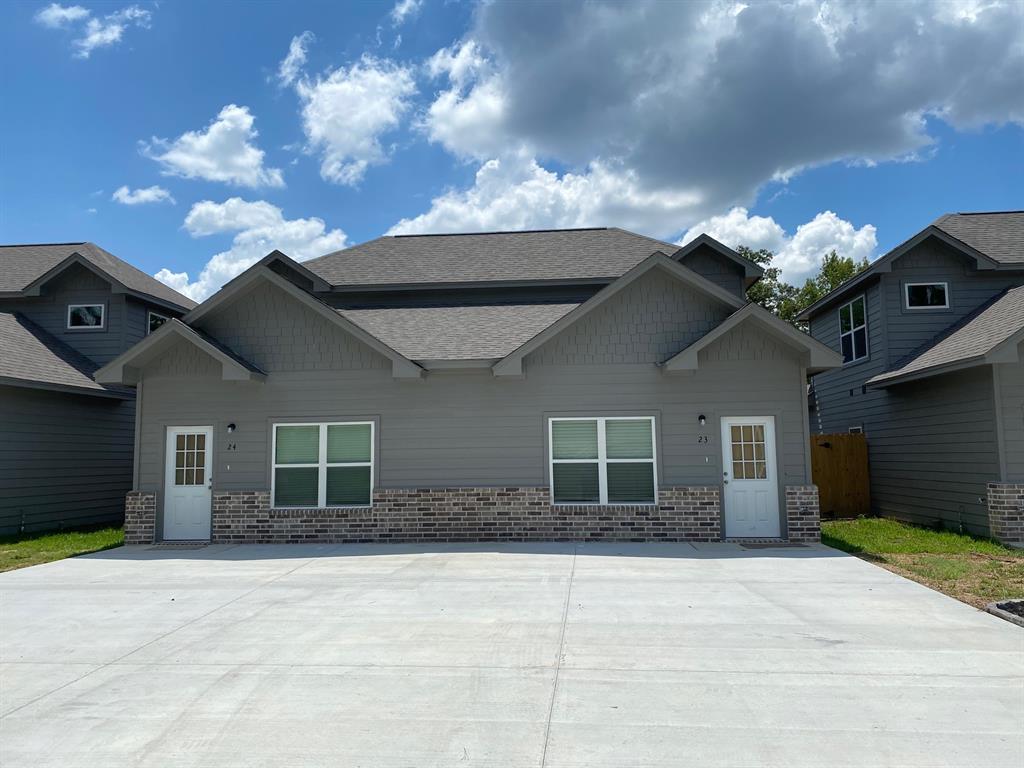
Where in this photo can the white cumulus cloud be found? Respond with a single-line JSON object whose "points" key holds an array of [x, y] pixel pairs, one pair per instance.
{"points": [[291, 65], [405, 10], [800, 254], [100, 33], [711, 101], [345, 113], [56, 15], [259, 228], [143, 195], [515, 192], [224, 151]]}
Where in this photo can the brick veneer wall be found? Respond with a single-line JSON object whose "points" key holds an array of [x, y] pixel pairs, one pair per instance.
{"points": [[1006, 512], [803, 523], [683, 513], [139, 517]]}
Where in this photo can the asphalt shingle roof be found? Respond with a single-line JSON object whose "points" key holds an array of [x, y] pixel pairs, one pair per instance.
{"points": [[30, 354], [491, 256], [971, 338], [460, 332], [20, 265], [1000, 236]]}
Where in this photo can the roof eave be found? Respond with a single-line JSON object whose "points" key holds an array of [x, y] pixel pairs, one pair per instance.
{"points": [[109, 394], [884, 264], [125, 369], [817, 356]]}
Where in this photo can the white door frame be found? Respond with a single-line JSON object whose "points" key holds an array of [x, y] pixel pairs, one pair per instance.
{"points": [[751, 507], [193, 521]]}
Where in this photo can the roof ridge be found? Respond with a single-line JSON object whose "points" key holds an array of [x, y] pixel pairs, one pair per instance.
{"points": [[31, 245], [508, 232], [981, 213]]}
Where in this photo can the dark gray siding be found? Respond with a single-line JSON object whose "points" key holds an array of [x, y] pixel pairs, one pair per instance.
{"points": [[933, 444], [717, 268], [65, 460], [908, 329], [1010, 390], [469, 427], [933, 450], [841, 401], [125, 322]]}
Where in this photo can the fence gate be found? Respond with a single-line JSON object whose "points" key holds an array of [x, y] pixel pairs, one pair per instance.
{"points": [[839, 467]]}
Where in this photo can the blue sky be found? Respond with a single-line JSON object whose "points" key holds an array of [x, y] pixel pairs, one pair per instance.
{"points": [[793, 126]]}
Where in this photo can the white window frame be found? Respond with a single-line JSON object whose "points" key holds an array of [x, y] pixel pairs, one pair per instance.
{"points": [[103, 317], [602, 460], [906, 295], [322, 464], [149, 317], [853, 329]]}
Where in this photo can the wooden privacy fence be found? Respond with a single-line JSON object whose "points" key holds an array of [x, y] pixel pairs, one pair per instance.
{"points": [[839, 467]]}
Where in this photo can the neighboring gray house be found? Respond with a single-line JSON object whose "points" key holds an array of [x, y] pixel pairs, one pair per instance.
{"points": [[931, 339], [568, 384], [66, 441]]}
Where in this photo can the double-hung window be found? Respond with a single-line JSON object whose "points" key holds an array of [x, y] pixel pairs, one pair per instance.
{"points": [[853, 330], [323, 465], [602, 460]]}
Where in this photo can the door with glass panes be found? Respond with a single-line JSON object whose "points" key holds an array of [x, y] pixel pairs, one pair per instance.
{"points": [[749, 477], [188, 484]]}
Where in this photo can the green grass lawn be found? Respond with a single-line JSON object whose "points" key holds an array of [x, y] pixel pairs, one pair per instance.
{"points": [[34, 548], [975, 570]]}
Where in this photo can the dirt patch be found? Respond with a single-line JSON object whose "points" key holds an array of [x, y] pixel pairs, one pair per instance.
{"points": [[977, 579]]}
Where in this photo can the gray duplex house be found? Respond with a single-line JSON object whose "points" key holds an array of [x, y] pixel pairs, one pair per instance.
{"points": [[932, 372], [66, 441], [565, 384]]}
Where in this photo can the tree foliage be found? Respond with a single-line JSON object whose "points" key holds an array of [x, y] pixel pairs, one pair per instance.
{"points": [[786, 300]]}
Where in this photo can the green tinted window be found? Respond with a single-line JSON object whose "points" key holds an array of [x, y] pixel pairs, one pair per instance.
{"points": [[630, 483], [629, 439], [298, 445], [574, 439], [348, 486], [348, 443], [296, 486], [577, 483]]}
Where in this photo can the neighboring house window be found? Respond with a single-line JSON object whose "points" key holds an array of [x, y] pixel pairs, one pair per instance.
{"points": [[926, 295], [602, 460], [323, 465], [154, 321], [86, 316], [853, 330]]}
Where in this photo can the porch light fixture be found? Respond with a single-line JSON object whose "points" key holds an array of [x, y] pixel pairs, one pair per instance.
{"points": [[231, 427], [702, 420]]}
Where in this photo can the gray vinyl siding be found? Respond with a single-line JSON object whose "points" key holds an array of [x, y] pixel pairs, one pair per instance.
{"points": [[933, 449], [718, 269], [839, 395], [1010, 391], [969, 288], [933, 444], [466, 428], [65, 460], [125, 320]]}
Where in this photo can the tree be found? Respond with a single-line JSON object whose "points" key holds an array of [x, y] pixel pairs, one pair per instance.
{"points": [[787, 301]]}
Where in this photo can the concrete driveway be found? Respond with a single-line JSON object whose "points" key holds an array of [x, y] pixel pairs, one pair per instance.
{"points": [[551, 655]]}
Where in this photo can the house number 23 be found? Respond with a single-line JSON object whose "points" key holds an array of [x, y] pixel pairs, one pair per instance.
{"points": [[702, 438]]}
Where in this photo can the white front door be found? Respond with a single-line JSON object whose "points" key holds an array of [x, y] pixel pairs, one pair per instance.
{"points": [[187, 484], [751, 490]]}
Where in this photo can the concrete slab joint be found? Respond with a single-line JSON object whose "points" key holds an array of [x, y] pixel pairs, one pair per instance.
{"points": [[803, 520], [1006, 512]]}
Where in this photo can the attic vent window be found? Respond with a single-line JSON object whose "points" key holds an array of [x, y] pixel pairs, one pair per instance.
{"points": [[927, 295], [86, 316]]}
